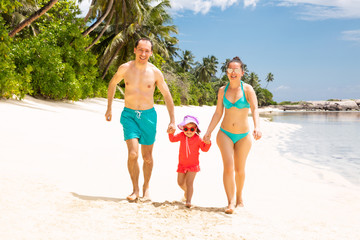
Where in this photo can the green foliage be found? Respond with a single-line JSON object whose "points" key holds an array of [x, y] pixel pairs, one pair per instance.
{"points": [[61, 68], [266, 97], [11, 82], [288, 103], [8, 6]]}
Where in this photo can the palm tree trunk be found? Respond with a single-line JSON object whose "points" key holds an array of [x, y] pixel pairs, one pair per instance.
{"points": [[102, 32], [89, 12], [112, 59], [33, 17], [92, 27]]}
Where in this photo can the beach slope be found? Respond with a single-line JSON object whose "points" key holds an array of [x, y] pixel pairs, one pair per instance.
{"points": [[63, 175]]}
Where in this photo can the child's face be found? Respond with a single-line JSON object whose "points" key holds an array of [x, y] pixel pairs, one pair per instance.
{"points": [[189, 127]]}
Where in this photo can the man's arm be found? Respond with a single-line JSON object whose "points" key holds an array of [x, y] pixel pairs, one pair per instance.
{"points": [[164, 89], [119, 75]]}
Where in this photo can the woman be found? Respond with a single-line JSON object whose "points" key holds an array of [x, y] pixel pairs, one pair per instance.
{"points": [[233, 137]]}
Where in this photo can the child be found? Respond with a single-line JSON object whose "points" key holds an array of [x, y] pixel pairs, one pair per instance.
{"points": [[190, 142]]}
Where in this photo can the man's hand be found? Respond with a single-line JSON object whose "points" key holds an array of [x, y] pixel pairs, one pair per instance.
{"points": [[108, 115], [171, 128]]}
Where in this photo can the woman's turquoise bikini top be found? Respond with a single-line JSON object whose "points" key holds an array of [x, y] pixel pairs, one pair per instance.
{"points": [[241, 103]]}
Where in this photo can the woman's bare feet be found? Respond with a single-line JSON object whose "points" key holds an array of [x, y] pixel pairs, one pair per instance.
{"points": [[146, 194], [188, 205], [132, 197], [240, 204], [230, 209]]}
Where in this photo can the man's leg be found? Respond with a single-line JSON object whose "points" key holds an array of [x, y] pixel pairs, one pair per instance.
{"points": [[133, 166], [146, 151]]}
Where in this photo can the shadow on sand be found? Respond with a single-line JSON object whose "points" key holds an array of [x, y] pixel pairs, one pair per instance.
{"points": [[182, 206], [97, 198], [179, 205]]}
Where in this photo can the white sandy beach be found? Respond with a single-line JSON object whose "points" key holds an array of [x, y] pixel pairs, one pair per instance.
{"points": [[63, 175]]}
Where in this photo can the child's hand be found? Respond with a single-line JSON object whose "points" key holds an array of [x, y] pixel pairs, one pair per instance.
{"points": [[171, 131], [207, 138]]}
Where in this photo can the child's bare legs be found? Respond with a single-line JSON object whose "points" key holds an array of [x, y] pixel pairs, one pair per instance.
{"points": [[189, 179], [182, 183], [186, 182]]}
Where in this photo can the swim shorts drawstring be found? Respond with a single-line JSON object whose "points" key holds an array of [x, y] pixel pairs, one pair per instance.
{"points": [[138, 114]]}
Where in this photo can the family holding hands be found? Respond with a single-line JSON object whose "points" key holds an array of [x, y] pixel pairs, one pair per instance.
{"points": [[139, 121]]}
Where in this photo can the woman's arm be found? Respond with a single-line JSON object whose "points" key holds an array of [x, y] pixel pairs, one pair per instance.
{"points": [[216, 117], [252, 99]]}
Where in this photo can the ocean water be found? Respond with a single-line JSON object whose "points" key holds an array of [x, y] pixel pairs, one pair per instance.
{"points": [[329, 140]]}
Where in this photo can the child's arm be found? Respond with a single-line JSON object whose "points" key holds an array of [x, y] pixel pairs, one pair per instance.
{"points": [[204, 146], [174, 138]]}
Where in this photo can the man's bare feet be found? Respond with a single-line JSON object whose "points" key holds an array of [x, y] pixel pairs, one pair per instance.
{"points": [[133, 197], [188, 205]]}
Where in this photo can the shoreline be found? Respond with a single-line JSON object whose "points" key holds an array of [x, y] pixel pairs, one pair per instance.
{"points": [[63, 175], [317, 106]]}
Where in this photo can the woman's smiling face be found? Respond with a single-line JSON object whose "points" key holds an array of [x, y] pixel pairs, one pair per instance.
{"points": [[234, 71]]}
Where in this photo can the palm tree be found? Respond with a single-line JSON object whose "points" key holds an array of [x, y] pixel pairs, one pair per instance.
{"points": [[141, 19], [224, 66], [186, 60], [22, 9], [102, 31], [33, 17], [254, 80], [109, 6], [207, 69], [269, 78]]}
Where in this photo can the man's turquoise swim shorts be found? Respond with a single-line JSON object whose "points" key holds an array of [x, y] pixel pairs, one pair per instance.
{"points": [[139, 124]]}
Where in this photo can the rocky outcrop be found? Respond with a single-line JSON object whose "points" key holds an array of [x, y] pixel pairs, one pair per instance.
{"points": [[340, 105]]}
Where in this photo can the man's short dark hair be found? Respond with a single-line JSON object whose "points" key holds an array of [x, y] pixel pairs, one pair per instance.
{"points": [[144, 39]]}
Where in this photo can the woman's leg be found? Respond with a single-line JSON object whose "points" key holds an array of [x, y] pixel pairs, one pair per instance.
{"points": [[189, 178], [242, 149], [226, 147]]}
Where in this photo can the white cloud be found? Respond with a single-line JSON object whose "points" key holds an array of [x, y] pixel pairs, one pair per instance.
{"points": [[250, 3], [84, 7], [351, 35], [204, 6], [282, 87], [324, 9]]}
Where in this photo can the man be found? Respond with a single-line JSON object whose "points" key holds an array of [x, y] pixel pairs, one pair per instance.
{"points": [[139, 117]]}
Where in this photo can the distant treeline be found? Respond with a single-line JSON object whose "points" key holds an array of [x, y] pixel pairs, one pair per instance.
{"points": [[47, 51]]}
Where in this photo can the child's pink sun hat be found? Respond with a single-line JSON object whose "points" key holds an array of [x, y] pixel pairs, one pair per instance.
{"points": [[189, 119]]}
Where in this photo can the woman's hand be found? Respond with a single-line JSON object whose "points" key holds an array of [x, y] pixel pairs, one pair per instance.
{"points": [[257, 134]]}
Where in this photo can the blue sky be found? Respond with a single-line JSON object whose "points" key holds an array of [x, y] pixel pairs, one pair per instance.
{"points": [[312, 47]]}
